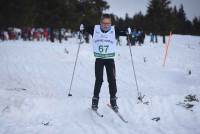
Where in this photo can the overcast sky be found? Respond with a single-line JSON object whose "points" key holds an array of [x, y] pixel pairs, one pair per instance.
{"points": [[121, 7]]}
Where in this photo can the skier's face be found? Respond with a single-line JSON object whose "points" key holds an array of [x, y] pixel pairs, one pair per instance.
{"points": [[106, 24]]}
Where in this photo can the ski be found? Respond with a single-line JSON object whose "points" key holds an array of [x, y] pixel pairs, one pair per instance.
{"points": [[118, 114], [97, 112]]}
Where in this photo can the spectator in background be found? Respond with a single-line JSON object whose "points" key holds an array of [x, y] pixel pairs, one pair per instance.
{"points": [[52, 34], [118, 41], [133, 37], [151, 38], [6, 36], [142, 36], [46, 34], [60, 36], [1, 35], [139, 38], [156, 38], [39, 34]]}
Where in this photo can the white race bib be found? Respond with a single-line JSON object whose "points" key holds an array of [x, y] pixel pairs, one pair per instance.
{"points": [[104, 44]]}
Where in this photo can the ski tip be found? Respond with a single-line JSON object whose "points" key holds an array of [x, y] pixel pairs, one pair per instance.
{"points": [[118, 113], [100, 115]]}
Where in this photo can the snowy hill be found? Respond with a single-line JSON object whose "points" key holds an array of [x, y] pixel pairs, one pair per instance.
{"points": [[35, 79]]}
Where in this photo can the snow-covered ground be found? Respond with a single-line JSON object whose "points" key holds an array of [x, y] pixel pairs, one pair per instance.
{"points": [[35, 79]]}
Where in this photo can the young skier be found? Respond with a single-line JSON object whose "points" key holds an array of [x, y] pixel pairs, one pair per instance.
{"points": [[104, 47]]}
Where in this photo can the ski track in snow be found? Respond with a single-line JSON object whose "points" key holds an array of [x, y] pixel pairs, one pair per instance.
{"points": [[35, 79]]}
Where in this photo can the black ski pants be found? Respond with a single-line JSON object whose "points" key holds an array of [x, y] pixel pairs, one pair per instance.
{"points": [[111, 76]]}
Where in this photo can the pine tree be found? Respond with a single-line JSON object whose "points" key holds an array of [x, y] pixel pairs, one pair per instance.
{"points": [[196, 26], [157, 17], [54, 13], [139, 21], [181, 13], [181, 16]]}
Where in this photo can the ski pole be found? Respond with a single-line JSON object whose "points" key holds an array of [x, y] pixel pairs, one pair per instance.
{"points": [[80, 35], [140, 97]]}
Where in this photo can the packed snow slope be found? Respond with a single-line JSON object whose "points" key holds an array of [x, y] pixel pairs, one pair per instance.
{"points": [[35, 79]]}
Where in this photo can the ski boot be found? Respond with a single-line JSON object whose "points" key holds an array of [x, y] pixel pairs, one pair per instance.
{"points": [[95, 101], [113, 103]]}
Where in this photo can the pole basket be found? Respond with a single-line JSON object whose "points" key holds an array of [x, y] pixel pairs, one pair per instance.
{"points": [[141, 99]]}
